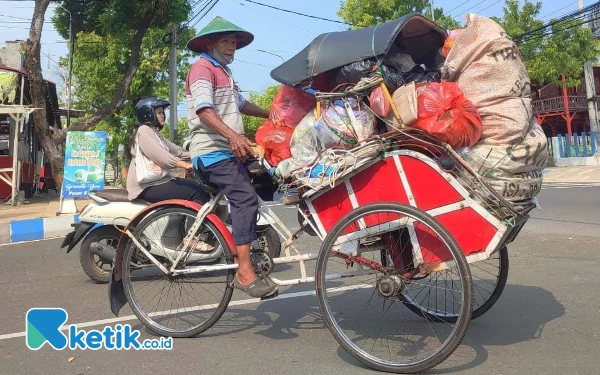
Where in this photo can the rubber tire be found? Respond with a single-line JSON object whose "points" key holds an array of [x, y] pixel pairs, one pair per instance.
{"points": [[224, 301], [85, 255], [273, 241], [479, 311], [451, 344]]}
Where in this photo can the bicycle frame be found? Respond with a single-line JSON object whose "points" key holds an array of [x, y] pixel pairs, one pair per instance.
{"points": [[273, 220]]}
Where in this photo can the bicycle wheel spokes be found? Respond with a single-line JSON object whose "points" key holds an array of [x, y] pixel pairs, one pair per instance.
{"points": [[390, 248], [184, 304]]}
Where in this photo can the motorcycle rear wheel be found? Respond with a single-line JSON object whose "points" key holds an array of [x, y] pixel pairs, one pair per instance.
{"points": [[91, 264]]}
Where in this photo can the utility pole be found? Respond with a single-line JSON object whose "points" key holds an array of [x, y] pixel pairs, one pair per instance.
{"points": [[72, 45], [590, 89], [173, 83], [432, 15]]}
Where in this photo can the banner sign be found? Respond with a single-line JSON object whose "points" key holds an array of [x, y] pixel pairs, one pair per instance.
{"points": [[85, 161]]}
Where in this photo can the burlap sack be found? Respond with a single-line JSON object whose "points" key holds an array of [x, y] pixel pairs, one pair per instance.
{"points": [[515, 171], [489, 70]]}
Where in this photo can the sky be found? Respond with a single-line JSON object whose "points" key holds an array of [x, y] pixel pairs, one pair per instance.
{"points": [[280, 33]]}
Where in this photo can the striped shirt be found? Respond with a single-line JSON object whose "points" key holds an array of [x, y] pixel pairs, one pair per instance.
{"points": [[210, 85]]}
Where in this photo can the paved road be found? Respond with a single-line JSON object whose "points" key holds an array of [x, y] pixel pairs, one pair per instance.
{"points": [[545, 322]]}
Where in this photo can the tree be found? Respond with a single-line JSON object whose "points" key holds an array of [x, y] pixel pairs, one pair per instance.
{"points": [[98, 61], [109, 19], [550, 52], [364, 13], [183, 131], [263, 100]]}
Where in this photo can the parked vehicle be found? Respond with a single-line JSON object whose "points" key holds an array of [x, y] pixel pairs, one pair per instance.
{"points": [[101, 222]]}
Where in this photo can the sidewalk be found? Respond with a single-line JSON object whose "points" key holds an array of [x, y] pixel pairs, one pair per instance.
{"points": [[585, 174], [36, 219]]}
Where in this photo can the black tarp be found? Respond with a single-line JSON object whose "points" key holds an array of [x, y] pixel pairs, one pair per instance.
{"points": [[413, 34]]}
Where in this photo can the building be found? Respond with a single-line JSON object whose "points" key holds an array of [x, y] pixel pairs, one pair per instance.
{"points": [[563, 111], [10, 55], [14, 90]]}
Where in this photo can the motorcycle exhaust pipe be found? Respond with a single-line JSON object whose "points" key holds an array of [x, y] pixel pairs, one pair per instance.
{"points": [[106, 253]]}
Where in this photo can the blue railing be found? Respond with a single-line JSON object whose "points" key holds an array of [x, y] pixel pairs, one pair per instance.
{"points": [[580, 145]]}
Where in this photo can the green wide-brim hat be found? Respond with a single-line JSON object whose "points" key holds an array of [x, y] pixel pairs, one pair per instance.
{"points": [[219, 26]]}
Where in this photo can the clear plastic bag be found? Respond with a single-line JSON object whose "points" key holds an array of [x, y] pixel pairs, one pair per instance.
{"points": [[335, 127], [305, 145]]}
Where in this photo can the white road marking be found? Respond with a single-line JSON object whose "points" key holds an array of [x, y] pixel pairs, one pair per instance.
{"points": [[22, 242], [242, 302]]}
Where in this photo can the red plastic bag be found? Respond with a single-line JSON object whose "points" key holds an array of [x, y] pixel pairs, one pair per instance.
{"points": [[379, 103], [449, 42], [275, 140], [445, 113], [290, 105]]}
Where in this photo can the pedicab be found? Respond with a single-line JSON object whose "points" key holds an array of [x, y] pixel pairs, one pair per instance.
{"points": [[404, 223]]}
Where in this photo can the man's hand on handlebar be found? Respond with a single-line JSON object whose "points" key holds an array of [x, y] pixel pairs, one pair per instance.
{"points": [[185, 164], [241, 147]]}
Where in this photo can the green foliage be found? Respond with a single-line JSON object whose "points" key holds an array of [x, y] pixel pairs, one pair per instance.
{"points": [[182, 131], [110, 17], [363, 13], [263, 100], [550, 54], [103, 32]]}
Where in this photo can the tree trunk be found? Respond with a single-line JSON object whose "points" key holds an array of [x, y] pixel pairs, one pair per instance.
{"points": [[33, 68], [49, 142]]}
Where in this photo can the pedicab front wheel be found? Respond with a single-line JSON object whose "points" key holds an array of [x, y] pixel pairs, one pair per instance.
{"points": [[360, 298]]}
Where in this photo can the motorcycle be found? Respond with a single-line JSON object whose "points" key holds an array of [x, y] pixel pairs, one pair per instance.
{"points": [[103, 219]]}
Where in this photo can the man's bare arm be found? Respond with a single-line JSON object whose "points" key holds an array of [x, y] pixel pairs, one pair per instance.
{"points": [[251, 109], [240, 146]]}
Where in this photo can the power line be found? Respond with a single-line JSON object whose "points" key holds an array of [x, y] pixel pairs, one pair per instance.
{"points": [[574, 15], [539, 37], [456, 7], [489, 6], [196, 14], [470, 8], [298, 13], [558, 10], [272, 16], [210, 6], [253, 63], [17, 18]]}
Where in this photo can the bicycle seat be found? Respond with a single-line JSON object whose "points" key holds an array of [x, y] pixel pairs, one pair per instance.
{"points": [[207, 186], [112, 195]]}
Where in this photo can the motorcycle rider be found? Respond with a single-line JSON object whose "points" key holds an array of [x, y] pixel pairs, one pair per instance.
{"points": [[219, 148], [150, 113]]}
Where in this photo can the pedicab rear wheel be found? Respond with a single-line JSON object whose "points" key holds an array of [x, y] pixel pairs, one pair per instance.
{"points": [[489, 279], [384, 289]]}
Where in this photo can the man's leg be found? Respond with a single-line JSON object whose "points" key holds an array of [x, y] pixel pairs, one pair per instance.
{"points": [[232, 179]]}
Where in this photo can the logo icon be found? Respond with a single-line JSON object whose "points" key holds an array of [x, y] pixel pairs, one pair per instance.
{"points": [[43, 325]]}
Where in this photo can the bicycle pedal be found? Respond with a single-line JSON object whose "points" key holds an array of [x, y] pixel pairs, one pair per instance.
{"points": [[270, 296]]}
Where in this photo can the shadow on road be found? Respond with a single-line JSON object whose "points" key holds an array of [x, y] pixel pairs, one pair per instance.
{"points": [[521, 314]]}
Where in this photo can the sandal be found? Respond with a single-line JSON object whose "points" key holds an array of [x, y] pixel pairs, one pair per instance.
{"points": [[257, 289], [200, 246]]}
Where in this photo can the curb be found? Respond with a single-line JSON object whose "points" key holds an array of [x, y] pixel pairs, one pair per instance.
{"points": [[36, 229]]}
